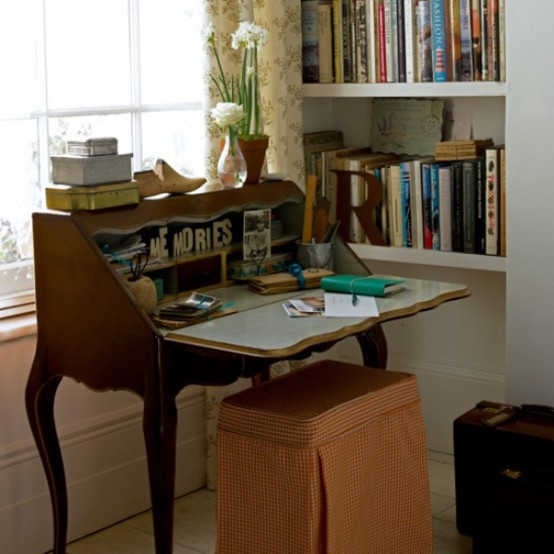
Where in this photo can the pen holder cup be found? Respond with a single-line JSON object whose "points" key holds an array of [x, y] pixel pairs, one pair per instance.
{"points": [[318, 254]]}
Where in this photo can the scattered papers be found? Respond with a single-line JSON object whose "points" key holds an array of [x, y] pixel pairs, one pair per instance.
{"points": [[308, 306], [195, 306], [348, 305]]}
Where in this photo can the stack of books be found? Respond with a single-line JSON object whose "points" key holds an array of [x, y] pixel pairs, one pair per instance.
{"points": [[91, 176], [461, 149]]}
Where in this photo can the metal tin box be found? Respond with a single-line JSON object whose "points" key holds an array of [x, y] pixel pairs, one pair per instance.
{"points": [[63, 197], [91, 170], [103, 146]]}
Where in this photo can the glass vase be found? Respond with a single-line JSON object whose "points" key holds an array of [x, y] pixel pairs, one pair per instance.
{"points": [[231, 167]]}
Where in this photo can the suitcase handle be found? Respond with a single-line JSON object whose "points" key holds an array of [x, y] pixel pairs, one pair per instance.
{"points": [[537, 410]]}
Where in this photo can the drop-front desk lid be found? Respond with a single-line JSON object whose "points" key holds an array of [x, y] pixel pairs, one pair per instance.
{"points": [[261, 327]]}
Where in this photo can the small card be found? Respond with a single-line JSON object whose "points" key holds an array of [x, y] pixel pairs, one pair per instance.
{"points": [[348, 305]]}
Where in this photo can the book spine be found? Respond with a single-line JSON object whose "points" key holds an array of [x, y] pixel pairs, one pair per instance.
{"points": [[492, 201], [457, 207], [401, 40], [470, 205], [405, 179], [476, 60], [466, 47], [337, 41], [427, 222], [480, 206], [409, 40], [346, 42], [501, 40], [435, 206], [362, 42], [325, 42], [438, 38], [416, 194], [395, 212], [372, 54], [484, 42], [502, 180], [389, 48], [445, 207], [452, 30], [425, 57], [492, 39], [310, 44], [382, 41]]}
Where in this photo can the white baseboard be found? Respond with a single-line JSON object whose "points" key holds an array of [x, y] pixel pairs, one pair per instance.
{"points": [[106, 475]]}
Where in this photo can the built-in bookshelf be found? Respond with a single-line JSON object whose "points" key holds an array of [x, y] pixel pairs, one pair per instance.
{"points": [[347, 105]]}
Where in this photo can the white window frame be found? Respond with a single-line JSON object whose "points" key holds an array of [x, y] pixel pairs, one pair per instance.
{"points": [[17, 278]]}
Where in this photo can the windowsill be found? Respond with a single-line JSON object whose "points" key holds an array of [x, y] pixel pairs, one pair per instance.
{"points": [[17, 327], [17, 316]]}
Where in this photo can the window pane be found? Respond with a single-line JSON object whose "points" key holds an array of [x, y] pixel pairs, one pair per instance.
{"points": [[18, 92], [171, 50], [62, 129], [19, 189], [174, 137], [87, 53]]}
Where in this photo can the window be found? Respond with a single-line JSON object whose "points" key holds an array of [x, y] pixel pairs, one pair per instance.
{"points": [[130, 69]]}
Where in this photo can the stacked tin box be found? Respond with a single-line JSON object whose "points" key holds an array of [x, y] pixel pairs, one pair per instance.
{"points": [[91, 176]]}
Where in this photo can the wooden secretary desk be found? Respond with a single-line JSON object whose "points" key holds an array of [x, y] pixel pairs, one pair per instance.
{"points": [[91, 328]]}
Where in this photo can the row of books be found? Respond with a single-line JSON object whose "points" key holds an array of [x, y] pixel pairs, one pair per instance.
{"points": [[428, 202], [384, 41]]}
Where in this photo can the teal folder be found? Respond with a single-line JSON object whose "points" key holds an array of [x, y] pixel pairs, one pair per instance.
{"points": [[364, 285]]}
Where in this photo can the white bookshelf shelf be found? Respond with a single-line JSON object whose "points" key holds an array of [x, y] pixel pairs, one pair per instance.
{"points": [[430, 257], [424, 90]]}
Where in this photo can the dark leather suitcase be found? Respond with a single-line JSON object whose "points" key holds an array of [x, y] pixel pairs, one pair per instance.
{"points": [[504, 478]]}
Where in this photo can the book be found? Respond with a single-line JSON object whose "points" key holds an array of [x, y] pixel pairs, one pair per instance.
{"points": [[325, 41], [401, 40], [466, 46], [502, 172], [416, 194], [410, 39], [347, 43], [445, 207], [492, 201], [480, 205], [362, 285], [382, 41], [406, 203], [338, 41], [394, 198], [435, 206], [470, 205], [458, 206], [424, 41], [362, 41], [318, 141], [452, 32], [310, 41], [492, 40], [331, 160], [476, 61], [427, 217], [388, 41], [461, 149], [438, 41]]}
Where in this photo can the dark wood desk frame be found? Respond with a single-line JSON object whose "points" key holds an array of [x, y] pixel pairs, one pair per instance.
{"points": [[91, 329]]}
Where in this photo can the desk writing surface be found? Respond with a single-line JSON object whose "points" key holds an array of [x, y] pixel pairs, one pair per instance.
{"points": [[262, 328]]}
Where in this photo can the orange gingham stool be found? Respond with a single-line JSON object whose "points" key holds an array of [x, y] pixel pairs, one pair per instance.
{"points": [[330, 458]]}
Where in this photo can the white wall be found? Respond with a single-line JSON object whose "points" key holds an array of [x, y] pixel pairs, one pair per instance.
{"points": [[530, 128], [102, 444]]}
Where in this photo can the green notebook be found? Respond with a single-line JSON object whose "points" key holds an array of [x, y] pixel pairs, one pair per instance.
{"points": [[364, 285]]}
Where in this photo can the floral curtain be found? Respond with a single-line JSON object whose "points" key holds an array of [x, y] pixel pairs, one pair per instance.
{"points": [[280, 77]]}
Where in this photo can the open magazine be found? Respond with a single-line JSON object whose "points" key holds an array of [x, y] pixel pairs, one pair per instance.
{"points": [[195, 306]]}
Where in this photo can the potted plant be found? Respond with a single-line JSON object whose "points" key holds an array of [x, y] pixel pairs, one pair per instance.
{"points": [[244, 91]]}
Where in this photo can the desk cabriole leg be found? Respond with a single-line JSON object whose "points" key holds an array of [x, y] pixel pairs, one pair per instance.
{"points": [[373, 344], [159, 425], [39, 401]]}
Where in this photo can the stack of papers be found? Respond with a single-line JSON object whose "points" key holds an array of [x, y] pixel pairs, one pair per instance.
{"points": [[195, 306]]}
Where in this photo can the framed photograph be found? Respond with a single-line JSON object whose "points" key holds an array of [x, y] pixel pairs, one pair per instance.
{"points": [[257, 234]]}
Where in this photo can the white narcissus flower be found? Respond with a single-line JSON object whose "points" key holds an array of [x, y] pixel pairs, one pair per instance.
{"points": [[227, 114], [249, 35]]}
